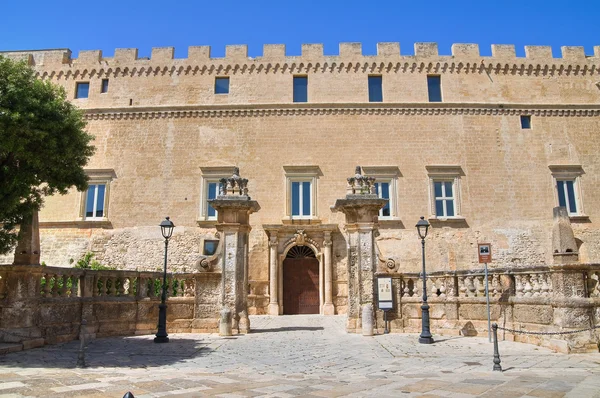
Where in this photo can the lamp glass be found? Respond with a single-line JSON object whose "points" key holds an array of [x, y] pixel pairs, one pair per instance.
{"points": [[166, 228], [422, 227]]}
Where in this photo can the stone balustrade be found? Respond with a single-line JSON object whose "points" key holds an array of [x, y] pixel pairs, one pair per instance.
{"points": [[44, 305]]}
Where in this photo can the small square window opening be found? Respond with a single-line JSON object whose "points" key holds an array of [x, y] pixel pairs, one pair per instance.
{"points": [[82, 90], [526, 122], [221, 85]]}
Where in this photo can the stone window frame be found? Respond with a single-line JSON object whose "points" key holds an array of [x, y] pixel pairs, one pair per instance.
{"points": [[97, 177], [389, 174], [301, 174], [445, 173], [209, 175], [76, 95], [569, 173]]}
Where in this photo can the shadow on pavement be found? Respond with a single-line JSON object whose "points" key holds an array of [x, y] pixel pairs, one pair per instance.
{"points": [[128, 351], [288, 329]]}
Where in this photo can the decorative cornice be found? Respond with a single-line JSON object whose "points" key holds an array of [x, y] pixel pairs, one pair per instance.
{"points": [[266, 110], [525, 68]]}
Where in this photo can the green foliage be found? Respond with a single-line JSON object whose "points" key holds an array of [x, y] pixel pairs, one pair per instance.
{"points": [[88, 262], [43, 146]]}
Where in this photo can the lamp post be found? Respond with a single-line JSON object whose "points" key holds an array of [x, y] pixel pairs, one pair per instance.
{"points": [[166, 227], [425, 337]]}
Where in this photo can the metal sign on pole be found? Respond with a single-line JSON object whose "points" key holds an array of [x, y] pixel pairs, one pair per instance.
{"points": [[485, 256], [385, 298]]}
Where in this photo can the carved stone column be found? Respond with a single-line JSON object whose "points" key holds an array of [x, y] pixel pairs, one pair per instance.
{"points": [[234, 207], [361, 207], [27, 251], [273, 276], [328, 308]]}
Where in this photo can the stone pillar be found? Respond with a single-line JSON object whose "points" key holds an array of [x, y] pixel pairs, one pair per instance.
{"points": [[361, 207], [273, 276], [28, 248], [328, 308], [234, 207]]}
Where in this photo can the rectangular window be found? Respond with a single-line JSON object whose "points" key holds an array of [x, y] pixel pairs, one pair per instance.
{"points": [[300, 88], [221, 85], [375, 89], [444, 198], [301, 199], [213, 191], [434, 88], [104, 88], [567, 195], [94, 202], [526, 122], [82, 90], [383, 191]]}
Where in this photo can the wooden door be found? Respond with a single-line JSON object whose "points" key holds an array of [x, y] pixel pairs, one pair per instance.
{"points": [[300, 286]]}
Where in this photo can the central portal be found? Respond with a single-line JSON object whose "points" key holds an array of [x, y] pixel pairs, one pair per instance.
{"points": [[300, 281]]}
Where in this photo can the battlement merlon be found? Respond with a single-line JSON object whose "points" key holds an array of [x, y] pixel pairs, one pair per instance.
{"points": [[275, 53]]}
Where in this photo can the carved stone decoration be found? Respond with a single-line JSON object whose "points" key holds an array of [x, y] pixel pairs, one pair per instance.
{"points": [[300, 237], [234, 184], [564, 247], [361, 185]]}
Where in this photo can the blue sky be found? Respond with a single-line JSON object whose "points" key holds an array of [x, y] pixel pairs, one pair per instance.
{"points": [[109, 24]]}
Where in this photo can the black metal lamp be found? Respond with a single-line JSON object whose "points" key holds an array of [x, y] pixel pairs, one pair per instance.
{"points": [[425, 337], [166, 228]]}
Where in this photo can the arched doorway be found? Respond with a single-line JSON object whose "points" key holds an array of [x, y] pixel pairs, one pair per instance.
{"points": [[300, 281]]}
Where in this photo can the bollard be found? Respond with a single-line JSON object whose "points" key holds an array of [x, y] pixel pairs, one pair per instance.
{"points": [[128, 394], [496, 353], [225, 322], [81, 355], [367, 320]]}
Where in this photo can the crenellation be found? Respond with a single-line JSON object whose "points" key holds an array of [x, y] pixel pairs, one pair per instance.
{"points": [[573, 53], [391, 49], [503, 51], [162, 54], [236, 53], [273, 51], [596, 51], [350, 50], [88, 57], [312, 50], [426, 50], [124, 55], [199, 54], [538, 52], [465, 50]]}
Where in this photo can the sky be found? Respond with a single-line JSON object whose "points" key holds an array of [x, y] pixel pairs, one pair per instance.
{"points": [[109, 24]]}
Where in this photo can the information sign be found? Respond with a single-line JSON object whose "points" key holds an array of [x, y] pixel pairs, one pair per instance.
{"points": [[385, 297], [485, 253]]}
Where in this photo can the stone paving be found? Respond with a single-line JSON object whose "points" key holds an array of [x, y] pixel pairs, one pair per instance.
{"points": [[288, 356]]}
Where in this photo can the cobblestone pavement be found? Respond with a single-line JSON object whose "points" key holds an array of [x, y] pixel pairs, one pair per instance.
{"points": [[289, 356]]}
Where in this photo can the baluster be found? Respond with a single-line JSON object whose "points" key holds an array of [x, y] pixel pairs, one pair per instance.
{"points": [[153, 291], [528, 288], [480, 285], [131, 286], [496, 285], [113, 286], [535, 285], [55, 287], [434, 288], [47, 286], [462, 289], [74, 285], [545, 288], [470, 286], [180, 287], [417, 283], [190, 290], [442, 287], [519, 286], [95, 283], [120, 285], [103, 286]]}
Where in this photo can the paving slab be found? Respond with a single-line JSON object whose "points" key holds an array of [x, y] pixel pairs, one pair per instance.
{"points": [[297, 356]]}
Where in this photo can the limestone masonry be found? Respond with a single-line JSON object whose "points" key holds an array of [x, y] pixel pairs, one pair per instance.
{"points": [[485, 147]]}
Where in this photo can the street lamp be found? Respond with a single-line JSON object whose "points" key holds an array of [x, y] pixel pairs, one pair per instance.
{"points": [[166, 228], [425, 337]]}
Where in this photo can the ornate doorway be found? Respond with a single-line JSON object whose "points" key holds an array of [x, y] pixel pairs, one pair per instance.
{"points": [[300, 281]]}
